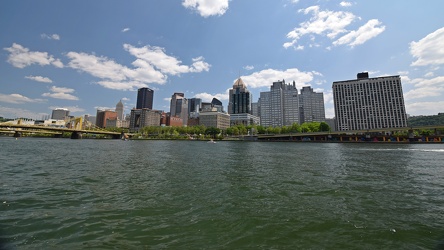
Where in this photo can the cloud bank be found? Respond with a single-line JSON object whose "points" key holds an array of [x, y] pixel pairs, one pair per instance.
{"points": [[152, 65], [21, 57], [207, 8], [331, 24]]}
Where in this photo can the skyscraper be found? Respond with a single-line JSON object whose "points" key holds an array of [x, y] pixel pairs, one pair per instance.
{"points": [[194, 107], [145, 98], [280, 106], [239, 105], [311, 106], [60, 114], [179, 107], [369, 103], [240, 98], [119, 110]]}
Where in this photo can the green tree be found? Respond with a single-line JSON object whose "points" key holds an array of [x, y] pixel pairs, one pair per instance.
{"points": [[261, 129], [235, 130], [295, 128], [229, 131], [242, 129], [323, 127], [212, 131]]}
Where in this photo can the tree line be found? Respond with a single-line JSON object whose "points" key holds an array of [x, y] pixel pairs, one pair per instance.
{"points": [[202, 132]]}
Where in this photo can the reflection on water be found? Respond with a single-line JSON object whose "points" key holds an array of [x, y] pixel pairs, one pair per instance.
{"points": [[189, 194]]}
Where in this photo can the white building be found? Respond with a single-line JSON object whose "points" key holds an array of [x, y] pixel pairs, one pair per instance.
{"points": [[369, 103], [60, 114], [282, 106], [311, 106]]}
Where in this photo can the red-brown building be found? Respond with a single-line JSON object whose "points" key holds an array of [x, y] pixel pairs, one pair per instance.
{"points": [[103, 115]]}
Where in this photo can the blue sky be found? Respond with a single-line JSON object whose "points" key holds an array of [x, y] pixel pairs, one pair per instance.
{"points": [[84, 55]]}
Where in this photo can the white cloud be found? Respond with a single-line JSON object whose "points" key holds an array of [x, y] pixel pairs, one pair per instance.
{"points": [[152, 65], [18, 99], [424, 108], [249, 67], [329, 112], [206, 97], [125, 99], [125, 29], [439, 80], [265, 78], [366, 32], [422, 92], [104, 108], [429, 50], [72, 109], [127, 86], [345, 4], [61, 93], [156, 57], [50, 37], [39, 79], [12, 113], [330, 24], [425, 88], [429, 74], [21, 57], [207, 8], [100, 67]]}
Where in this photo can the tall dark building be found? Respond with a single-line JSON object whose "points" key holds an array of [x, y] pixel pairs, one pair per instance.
{"points": [[145, 98], [240, 99]]}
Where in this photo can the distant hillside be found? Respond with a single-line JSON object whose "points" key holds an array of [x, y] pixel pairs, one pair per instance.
{"points": [[426, 120]]}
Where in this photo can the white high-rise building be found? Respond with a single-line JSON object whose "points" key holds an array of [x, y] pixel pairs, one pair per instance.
{"points": [[283, 106], [280, 106], [60, 114], [369, 103]]}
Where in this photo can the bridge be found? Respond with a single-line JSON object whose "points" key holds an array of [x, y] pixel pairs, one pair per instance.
{"points": [[375, 135], [76, 130]]}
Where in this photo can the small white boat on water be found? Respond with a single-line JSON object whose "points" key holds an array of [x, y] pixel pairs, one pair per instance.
{"points": [[211, 141]]}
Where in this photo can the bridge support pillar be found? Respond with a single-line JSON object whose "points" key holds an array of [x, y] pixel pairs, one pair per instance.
{"points": [[17, 134], [76, 135], [58, 135]]}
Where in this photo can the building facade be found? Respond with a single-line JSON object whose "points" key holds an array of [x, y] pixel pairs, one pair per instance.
{"points": [[194, 107], [369, 103], [179, 107], [280, 106], [145, 98], [244, 119], [144, 117], [283, 106], [215, 119], [119, 110], [103, 116], [311, 106], [240, 105], [239, 98], [60, 114]]}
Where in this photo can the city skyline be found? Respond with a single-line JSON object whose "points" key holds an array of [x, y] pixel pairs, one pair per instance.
{"points": [[52, 57]]}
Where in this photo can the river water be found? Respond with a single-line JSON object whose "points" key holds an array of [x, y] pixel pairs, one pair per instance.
{"points": [[73, 194]]}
